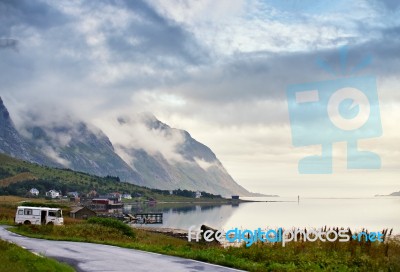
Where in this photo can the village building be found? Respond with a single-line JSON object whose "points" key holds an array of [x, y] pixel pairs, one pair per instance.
{"points": [[235, 197], [34, 192], [73, 194], [92, 194], [107, 202], [126, 196], [82, 213], [198, 194], [115, 195], [53, 194]]}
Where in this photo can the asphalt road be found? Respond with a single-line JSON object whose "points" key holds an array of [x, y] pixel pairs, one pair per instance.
{"points": [[95, 257]]}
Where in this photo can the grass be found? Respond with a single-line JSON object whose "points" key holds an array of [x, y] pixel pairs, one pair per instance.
{"points": [[29, 175], [295, 256], [114, 224], [14, 258], [17, 177], [7, 213], [10, 199], [8, 207]]}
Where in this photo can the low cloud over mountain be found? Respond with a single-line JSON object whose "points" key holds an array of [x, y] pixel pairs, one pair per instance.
{"points": [[142, 150]]}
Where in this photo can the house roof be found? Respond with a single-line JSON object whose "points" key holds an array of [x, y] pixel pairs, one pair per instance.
{"points": [[77, 209]]}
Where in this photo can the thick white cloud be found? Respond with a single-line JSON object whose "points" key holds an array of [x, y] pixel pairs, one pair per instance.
{"points": [[134, 132], [216, 69]]}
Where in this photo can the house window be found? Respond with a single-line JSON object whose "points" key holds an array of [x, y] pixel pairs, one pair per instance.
{"points": [[28, 211]]}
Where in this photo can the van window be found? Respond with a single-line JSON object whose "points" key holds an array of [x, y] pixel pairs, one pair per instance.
{"points": [[28, 211], [20, 212], [52, 213]]}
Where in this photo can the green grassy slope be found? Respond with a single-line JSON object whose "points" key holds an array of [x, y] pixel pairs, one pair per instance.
{"points": [[18, 177], [14, 258]]}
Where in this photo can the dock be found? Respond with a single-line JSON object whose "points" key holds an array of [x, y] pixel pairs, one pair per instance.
{"points": [[146, 218]]}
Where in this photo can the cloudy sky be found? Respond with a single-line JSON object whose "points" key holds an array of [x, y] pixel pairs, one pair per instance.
{"points": [[218, 69]]}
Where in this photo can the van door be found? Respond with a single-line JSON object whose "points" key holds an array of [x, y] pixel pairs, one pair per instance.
{"points": [[43, 216]]}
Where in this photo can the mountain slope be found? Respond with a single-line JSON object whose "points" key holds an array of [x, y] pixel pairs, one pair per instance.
{"points": [[153, 154], [81, 148], [17, 177], [197, 168], [10, 141]]}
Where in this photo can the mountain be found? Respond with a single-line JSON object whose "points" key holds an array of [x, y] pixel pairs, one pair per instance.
{"points": [[10, 140], [81, 148], [154, 154], [197, 169]]}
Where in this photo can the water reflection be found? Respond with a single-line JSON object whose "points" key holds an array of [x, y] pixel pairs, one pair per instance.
{"points": [[372, 213], [180, 208], [184, 215]]}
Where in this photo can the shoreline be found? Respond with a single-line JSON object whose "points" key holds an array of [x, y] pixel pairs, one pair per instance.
{"points": [[174, 232], [219, 202]]}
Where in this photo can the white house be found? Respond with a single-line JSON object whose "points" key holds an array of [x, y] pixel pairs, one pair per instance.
{"points": [[126, 196], [198, 194], [116, 195], [34, 192], [53, 194]]}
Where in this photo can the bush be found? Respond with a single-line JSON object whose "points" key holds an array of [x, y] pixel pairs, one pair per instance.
{"points": [[113, 223]]}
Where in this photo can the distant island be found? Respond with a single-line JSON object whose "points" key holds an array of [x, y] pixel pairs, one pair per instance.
{"points": [[263, 195], [392, 194]]}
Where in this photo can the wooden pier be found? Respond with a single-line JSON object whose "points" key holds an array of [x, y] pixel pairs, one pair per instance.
{"points": [[146, 218]]}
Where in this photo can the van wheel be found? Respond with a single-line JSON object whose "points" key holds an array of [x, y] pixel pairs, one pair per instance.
{"points": [[27, 222], [50, 224]]}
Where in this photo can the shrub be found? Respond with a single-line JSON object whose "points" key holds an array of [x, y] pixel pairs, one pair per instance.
{"points": [[113, 223]]}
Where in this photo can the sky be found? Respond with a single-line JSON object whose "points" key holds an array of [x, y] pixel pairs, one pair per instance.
{"points": [[218, 69]]}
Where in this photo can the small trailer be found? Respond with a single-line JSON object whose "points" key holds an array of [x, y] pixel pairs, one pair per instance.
{"points": [[39, 216]]}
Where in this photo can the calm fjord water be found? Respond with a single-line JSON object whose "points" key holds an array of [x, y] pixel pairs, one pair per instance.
{"points": [[372, 213]]}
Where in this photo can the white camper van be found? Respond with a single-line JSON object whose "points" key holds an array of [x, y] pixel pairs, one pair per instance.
{"points": [[39, 216]]}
